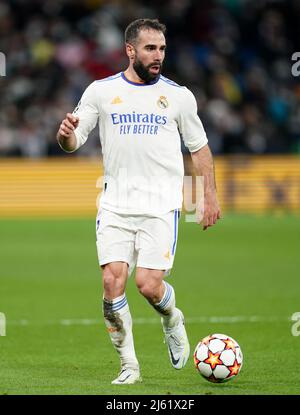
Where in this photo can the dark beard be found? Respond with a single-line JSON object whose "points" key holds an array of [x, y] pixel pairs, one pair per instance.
{"points": [[144, 73]]}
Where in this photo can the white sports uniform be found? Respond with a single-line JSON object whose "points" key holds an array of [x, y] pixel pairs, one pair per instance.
{"points": [[139, 128]]}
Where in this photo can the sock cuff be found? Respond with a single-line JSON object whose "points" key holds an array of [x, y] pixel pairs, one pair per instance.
{"points": [[169, 291], [118, 304]]}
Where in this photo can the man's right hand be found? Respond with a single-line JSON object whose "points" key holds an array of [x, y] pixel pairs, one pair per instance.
{"points": [[68, 125], [65, 135]]}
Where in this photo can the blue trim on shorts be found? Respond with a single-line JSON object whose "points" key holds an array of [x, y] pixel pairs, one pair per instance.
{"points": [[176, 211], [97, 224]]}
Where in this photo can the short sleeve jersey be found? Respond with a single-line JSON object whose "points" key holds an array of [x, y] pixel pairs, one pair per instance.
{"points": [[140, 127]]}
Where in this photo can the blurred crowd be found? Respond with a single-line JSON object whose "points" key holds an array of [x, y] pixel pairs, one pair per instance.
{"points": [[235, 55]]}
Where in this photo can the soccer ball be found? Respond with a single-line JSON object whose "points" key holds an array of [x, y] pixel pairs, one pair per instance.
{"points": [[218, 358]]}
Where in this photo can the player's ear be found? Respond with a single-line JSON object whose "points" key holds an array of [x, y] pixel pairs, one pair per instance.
{"points": [[130, 51]]}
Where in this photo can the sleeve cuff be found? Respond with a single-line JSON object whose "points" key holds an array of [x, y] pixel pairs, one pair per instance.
{"points": [[198, 146]]}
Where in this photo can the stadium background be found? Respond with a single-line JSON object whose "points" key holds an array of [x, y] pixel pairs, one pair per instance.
{"points": [[236, 56]]}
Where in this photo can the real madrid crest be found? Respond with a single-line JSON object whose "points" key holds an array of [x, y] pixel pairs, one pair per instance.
{"points": [[162, 102]]}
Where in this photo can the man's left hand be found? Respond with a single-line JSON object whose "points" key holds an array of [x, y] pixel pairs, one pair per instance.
{"points": [[212, 211]]}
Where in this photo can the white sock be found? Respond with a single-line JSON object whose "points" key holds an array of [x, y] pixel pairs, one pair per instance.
{"points": [[166, 307], [118, 321]]}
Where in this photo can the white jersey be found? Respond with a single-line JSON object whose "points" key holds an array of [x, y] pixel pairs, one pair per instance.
{"points": [[139, 128]]}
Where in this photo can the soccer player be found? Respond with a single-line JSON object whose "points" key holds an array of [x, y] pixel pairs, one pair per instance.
{"points": [[141, 115]]}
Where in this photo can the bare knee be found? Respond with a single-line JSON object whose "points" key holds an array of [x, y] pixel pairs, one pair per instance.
{"points": [[147, 290], [150, 285], [114, 277]]}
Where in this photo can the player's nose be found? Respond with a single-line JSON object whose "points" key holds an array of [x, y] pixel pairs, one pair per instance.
{"points": [[158, 56], [157, 60]]}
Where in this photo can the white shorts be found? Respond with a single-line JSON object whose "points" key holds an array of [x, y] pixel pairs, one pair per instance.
{"points": [[142, 241]]}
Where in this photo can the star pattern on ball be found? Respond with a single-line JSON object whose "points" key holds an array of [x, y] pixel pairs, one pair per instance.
{"points": [[206, 340], [229, 344], [213, 359], [218, 358], [196, 360], [234, 370]]}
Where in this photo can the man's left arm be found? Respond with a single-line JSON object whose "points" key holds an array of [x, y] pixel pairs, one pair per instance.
{"points": [[204, 166]]}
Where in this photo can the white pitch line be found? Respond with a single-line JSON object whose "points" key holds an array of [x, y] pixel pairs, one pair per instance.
{"points": [[141, 320]]}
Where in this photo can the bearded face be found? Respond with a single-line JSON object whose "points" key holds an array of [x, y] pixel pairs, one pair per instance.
{"points": [[147, 54], [148, 73]]}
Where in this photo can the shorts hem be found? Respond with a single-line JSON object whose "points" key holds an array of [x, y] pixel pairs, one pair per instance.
{"points": [[152, 266], [113, 259], [134, 212]]}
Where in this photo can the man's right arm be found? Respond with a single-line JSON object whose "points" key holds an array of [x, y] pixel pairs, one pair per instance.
{"points": [[72, 134], [65, 136]]}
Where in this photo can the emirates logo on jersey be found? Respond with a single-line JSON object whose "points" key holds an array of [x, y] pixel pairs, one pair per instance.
{"points": [[162, 102]]}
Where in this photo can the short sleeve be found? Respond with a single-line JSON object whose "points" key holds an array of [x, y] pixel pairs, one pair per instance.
{"points": [[88, 113], [189, 123]]}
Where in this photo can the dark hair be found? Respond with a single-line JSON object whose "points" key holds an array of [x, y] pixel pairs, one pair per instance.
{"points": [[133, 29]]}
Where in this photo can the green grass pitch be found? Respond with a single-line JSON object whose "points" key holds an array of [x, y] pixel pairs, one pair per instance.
{"points": [[245, 271]]}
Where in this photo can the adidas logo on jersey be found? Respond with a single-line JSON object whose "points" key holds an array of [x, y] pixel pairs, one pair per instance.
{"points": [[116, 100]]}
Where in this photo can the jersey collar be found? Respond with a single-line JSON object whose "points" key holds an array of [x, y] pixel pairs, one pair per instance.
{"points": [[139, 84]]}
